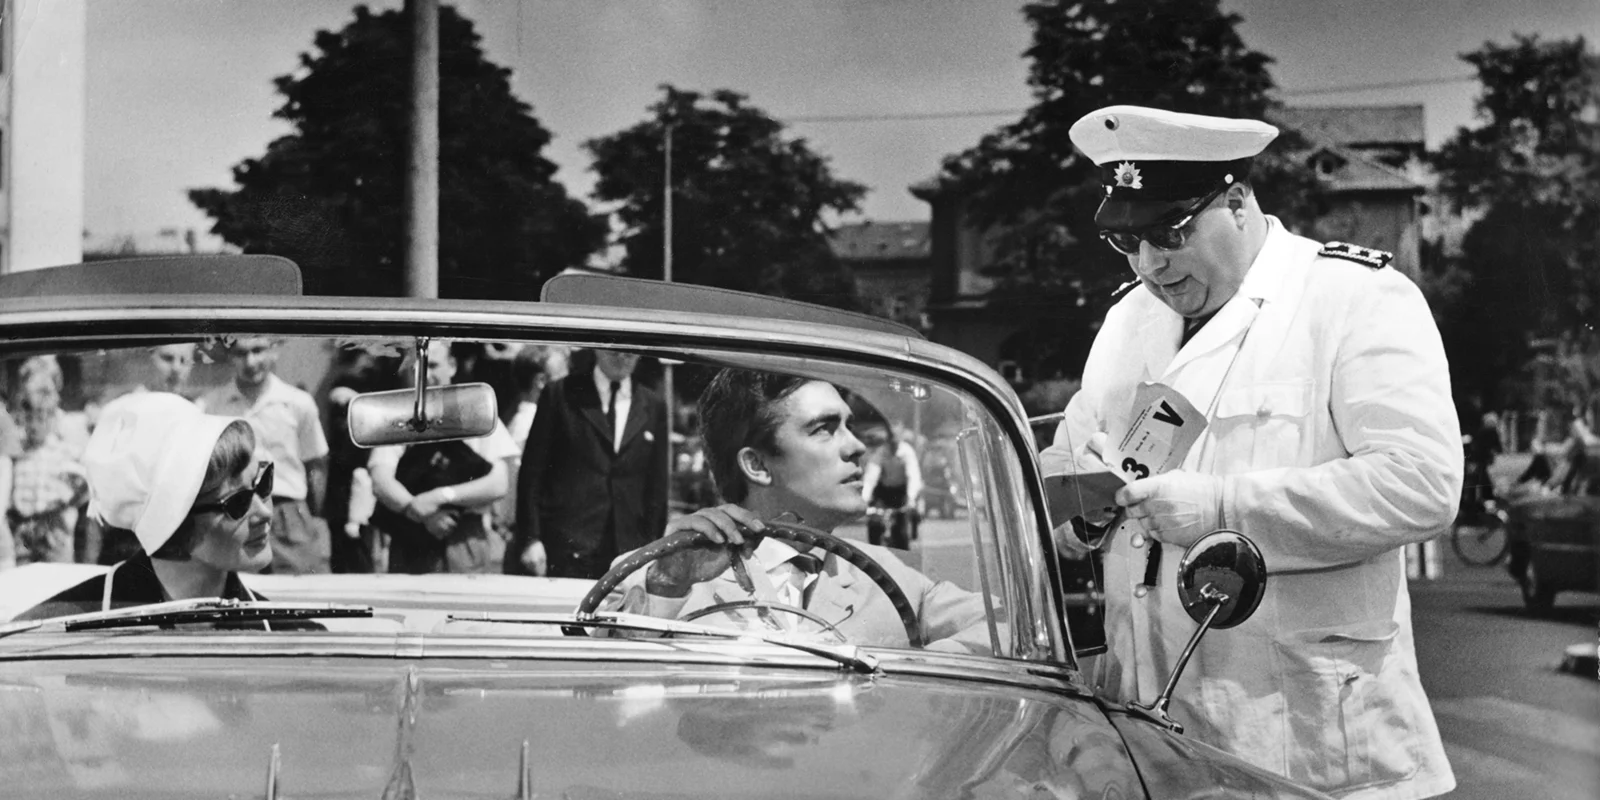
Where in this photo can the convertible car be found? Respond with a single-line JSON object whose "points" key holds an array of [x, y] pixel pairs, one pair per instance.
{"points": [[393, 684]]}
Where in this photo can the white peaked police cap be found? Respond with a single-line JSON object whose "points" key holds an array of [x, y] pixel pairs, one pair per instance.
{"points": [[145, 463], [1154, 163]]}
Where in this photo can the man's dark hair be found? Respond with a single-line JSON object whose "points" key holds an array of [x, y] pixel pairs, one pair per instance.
{"points": [[737, 410]]}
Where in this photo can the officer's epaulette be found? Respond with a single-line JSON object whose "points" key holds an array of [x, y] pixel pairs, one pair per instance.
{"points": [[1124, 289], [1365, 256]]}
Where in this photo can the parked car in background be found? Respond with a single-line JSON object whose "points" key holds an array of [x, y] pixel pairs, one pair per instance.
{"points": [[1554, 537], [443, 685]]}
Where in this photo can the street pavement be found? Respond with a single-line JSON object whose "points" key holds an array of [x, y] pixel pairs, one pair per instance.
{"points": [[1514, 724]]}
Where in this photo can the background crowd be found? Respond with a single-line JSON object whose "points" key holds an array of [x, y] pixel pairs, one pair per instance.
{"points": [[338, 507]]}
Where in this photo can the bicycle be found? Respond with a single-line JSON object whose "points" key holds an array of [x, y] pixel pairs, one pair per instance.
{"points": [[1478, 534], [898, 523]]}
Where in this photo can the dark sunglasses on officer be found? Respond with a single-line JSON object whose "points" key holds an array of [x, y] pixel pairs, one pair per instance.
{"points": [[1168, 236]]}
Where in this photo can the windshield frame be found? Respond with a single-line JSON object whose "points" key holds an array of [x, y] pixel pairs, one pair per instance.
{"points": [[1032, 577]]}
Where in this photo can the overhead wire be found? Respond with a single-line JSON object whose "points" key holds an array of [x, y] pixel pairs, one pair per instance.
{"points": [[920, 116]]}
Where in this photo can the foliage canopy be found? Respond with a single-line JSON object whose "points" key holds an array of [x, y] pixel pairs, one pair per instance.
{"points": [[1523, 296], [748, 204], [331, 194], [1027, 185]]}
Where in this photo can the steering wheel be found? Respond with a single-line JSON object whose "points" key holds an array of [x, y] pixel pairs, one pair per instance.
{"points": [[782, 531]]}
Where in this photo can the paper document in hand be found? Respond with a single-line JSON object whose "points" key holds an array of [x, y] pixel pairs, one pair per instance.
{"points": [[1089, 495], [1162, 428]]}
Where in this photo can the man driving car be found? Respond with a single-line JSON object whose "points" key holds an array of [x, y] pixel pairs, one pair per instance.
{"points": [[781, 446]]}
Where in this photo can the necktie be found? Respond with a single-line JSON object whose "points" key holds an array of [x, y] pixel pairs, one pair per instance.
{"points": [[791, 577], [611, 412], [1193, 326]]}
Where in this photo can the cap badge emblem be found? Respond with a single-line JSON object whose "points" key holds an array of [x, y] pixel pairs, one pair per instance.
{"points": [[1128, 176]]}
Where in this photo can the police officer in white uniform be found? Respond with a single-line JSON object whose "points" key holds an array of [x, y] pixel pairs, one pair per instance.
{"points": [[1331, 442]]}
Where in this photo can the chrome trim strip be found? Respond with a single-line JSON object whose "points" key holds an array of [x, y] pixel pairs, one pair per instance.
{"points": [[536, 651]]}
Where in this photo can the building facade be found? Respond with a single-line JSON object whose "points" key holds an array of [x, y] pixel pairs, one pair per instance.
{"points": [[42, 94], [890, 264]]}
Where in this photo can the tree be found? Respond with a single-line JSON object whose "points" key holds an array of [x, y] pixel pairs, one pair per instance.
{"points": [[1525, 291], [747, 203], [1028, 185], [331, 194]]}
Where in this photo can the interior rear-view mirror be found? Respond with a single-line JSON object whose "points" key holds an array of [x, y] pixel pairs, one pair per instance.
{"points": [[406, 416]]}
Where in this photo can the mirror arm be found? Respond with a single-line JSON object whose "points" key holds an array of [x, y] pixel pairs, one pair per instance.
{"points": [[419, 411], [1157, 711]]}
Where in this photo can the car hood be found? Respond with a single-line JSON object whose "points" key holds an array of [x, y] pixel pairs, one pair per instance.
{"points": [[437, 728]]}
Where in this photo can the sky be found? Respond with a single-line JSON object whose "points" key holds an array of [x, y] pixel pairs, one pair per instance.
{"points": [[178, 91]]}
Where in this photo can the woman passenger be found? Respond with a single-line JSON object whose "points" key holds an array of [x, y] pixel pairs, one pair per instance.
{"points": [[189, 487]]}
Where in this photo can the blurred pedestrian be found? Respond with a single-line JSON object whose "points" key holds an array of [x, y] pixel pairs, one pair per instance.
{"points": [[1481, 447], [10, 448], [593, 483], [287, 426], [557, 362], [170, 366], [47, 485], [528, 380], [891, 480], [354, 372], [1330, 440]]}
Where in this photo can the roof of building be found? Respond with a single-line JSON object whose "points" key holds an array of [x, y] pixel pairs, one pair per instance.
{"points": [[1358, 172], [1356, 125], [882, 240]]}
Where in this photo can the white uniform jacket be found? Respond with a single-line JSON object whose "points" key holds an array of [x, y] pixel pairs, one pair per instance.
{"points": [[1327, 396]]}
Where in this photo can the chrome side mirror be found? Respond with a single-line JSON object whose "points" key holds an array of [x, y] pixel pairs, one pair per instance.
{"points": [[1221, 581], [1224, 567]]}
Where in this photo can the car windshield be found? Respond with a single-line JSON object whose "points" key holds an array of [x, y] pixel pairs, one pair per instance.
{"points": [[870, 475]]}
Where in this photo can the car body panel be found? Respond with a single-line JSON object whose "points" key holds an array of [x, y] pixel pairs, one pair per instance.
{"points": [[1175, 767], [347, 727], [413, 702]]}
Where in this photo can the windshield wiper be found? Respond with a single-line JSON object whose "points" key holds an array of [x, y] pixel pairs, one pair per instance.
{"points": [[848, 655], [183, 612]]}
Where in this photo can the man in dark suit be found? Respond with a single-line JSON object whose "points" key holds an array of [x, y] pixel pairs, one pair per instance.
{"points": [[593, 482]]}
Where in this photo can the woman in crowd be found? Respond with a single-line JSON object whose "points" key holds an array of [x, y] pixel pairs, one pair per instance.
{"points": [[190, 489]]}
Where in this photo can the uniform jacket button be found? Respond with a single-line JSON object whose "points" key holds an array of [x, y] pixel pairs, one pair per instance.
{"points": [[1141, 590], [1136, 540]]}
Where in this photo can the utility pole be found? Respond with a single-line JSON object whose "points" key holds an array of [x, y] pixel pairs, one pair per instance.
{"points": [[422, 173], [666, 275]]}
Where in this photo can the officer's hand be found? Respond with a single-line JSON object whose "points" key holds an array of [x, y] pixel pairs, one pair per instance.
{"points": [[1176, 508], [727, 526]]}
